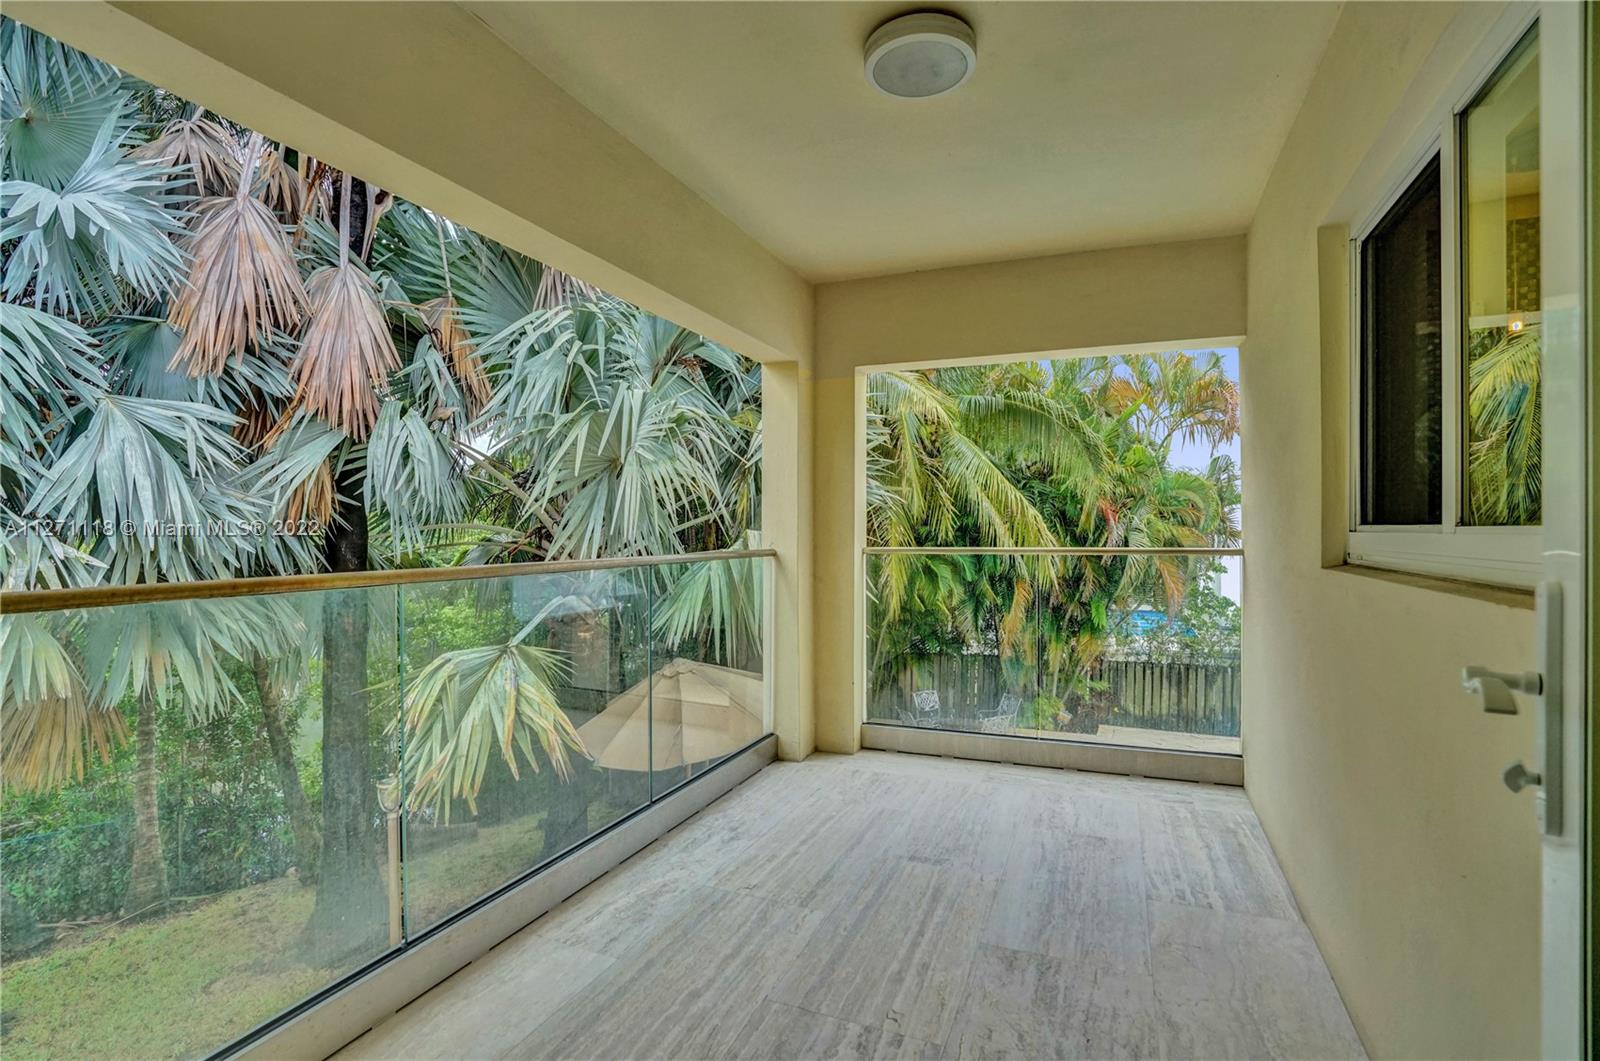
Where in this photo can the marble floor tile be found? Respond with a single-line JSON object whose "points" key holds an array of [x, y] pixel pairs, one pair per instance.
{"points": [[897, 906]]}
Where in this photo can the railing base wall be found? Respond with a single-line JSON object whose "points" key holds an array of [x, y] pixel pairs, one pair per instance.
{"points": [[1066, 755], [349, 1012]]}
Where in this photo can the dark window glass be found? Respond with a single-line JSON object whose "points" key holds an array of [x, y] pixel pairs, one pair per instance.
{"points": [[1401, 407]]}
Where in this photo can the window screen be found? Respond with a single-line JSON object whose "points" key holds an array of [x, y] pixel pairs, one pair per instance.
{"points": [[1401, 405]]}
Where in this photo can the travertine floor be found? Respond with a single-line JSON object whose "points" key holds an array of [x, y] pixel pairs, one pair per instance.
{"points": [[885, 905]]}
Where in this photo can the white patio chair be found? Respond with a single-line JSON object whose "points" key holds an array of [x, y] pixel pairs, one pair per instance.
{"points": [[1004, 720]]}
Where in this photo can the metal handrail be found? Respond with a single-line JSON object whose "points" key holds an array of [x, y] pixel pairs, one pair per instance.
{"points": [[1045, 550], [41, 600]]}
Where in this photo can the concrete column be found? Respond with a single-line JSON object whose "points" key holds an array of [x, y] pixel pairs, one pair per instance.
{"points": [[786, 507], [840, 528]]}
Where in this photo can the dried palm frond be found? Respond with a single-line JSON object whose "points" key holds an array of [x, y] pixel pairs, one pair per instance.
{"points": [[256, 421], [282, 189], [557, 288], [310, 503], [243, 280], [450, 338], [52, 727], [347, 352], [198, 146]]}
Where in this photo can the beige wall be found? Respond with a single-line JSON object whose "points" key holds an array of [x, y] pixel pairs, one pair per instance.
{"points": [[1164, 295], [1376, 777], [1192, 291]]}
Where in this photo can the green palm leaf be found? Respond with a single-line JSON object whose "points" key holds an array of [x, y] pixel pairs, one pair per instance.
{"points": [[111, 224], [470, 704]]}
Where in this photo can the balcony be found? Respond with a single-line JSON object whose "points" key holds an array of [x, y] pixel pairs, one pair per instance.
{"points": [[404, 390]]}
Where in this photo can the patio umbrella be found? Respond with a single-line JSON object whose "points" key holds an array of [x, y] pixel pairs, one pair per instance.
{"points": [[702, 711]]}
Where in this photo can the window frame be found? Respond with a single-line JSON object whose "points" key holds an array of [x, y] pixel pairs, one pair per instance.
{"points": [[1452, 548]]}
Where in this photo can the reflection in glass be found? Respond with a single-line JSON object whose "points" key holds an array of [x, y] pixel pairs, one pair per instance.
{"points": [[1500, 256], [503, 675], [707, 694]]}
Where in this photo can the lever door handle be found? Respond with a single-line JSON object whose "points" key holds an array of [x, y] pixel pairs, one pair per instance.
{"points": [[1494, 687]]}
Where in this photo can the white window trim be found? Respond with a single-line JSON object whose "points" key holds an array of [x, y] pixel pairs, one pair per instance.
{"points": [[1510, 556]]}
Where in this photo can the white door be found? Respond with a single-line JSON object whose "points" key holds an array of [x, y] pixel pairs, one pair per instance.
{"points": [[1567, 602]]}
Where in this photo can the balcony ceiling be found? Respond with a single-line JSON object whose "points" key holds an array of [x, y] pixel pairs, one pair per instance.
{"points": [[1086, 125]]}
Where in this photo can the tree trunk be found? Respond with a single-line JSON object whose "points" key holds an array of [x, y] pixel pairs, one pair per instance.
{"points": [[351, 913], [307, 841], [351, 909], [566, 821], [147, 877]]}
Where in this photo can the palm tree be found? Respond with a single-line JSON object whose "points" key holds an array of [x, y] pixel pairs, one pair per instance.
{"points": [[1077, 451], [203, 328]]}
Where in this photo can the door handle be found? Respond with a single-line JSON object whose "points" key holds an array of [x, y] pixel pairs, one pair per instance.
{"points": [[1496, 692], [1518, 777], [1495, 687]]}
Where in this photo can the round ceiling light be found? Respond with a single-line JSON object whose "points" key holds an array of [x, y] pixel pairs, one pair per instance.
{"points": [[921, 54]]}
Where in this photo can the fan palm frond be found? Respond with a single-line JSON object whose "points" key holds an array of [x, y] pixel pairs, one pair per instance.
{"points": [[33, 557], [111, 224], [46, 135], [295, 471], [45, 372], [469, 704], [282, 189], [37, 64], [51, 727], [450, 338], [196, 149], [152, 475], [346, 353], [717, 601], [243, 281], [413, 476]]}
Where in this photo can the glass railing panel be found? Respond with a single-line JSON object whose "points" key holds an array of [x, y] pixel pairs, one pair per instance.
{"points": [[1157, 667], [524, 726], [708, 688], [190, 837], [951, 640], [1129, 647], [216, 808]]}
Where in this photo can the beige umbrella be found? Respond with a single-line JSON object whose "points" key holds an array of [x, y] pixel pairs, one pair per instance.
{"points": [[702, 711]]}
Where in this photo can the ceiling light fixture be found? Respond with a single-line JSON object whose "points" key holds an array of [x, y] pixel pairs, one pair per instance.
{"points": [[921, 54]]}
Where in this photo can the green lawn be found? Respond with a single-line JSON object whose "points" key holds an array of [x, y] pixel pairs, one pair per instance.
{"points": [[183, 984]]}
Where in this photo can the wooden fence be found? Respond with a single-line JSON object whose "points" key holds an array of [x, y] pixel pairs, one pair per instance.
{"points": [[1176, 697], [1182, 697]]}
